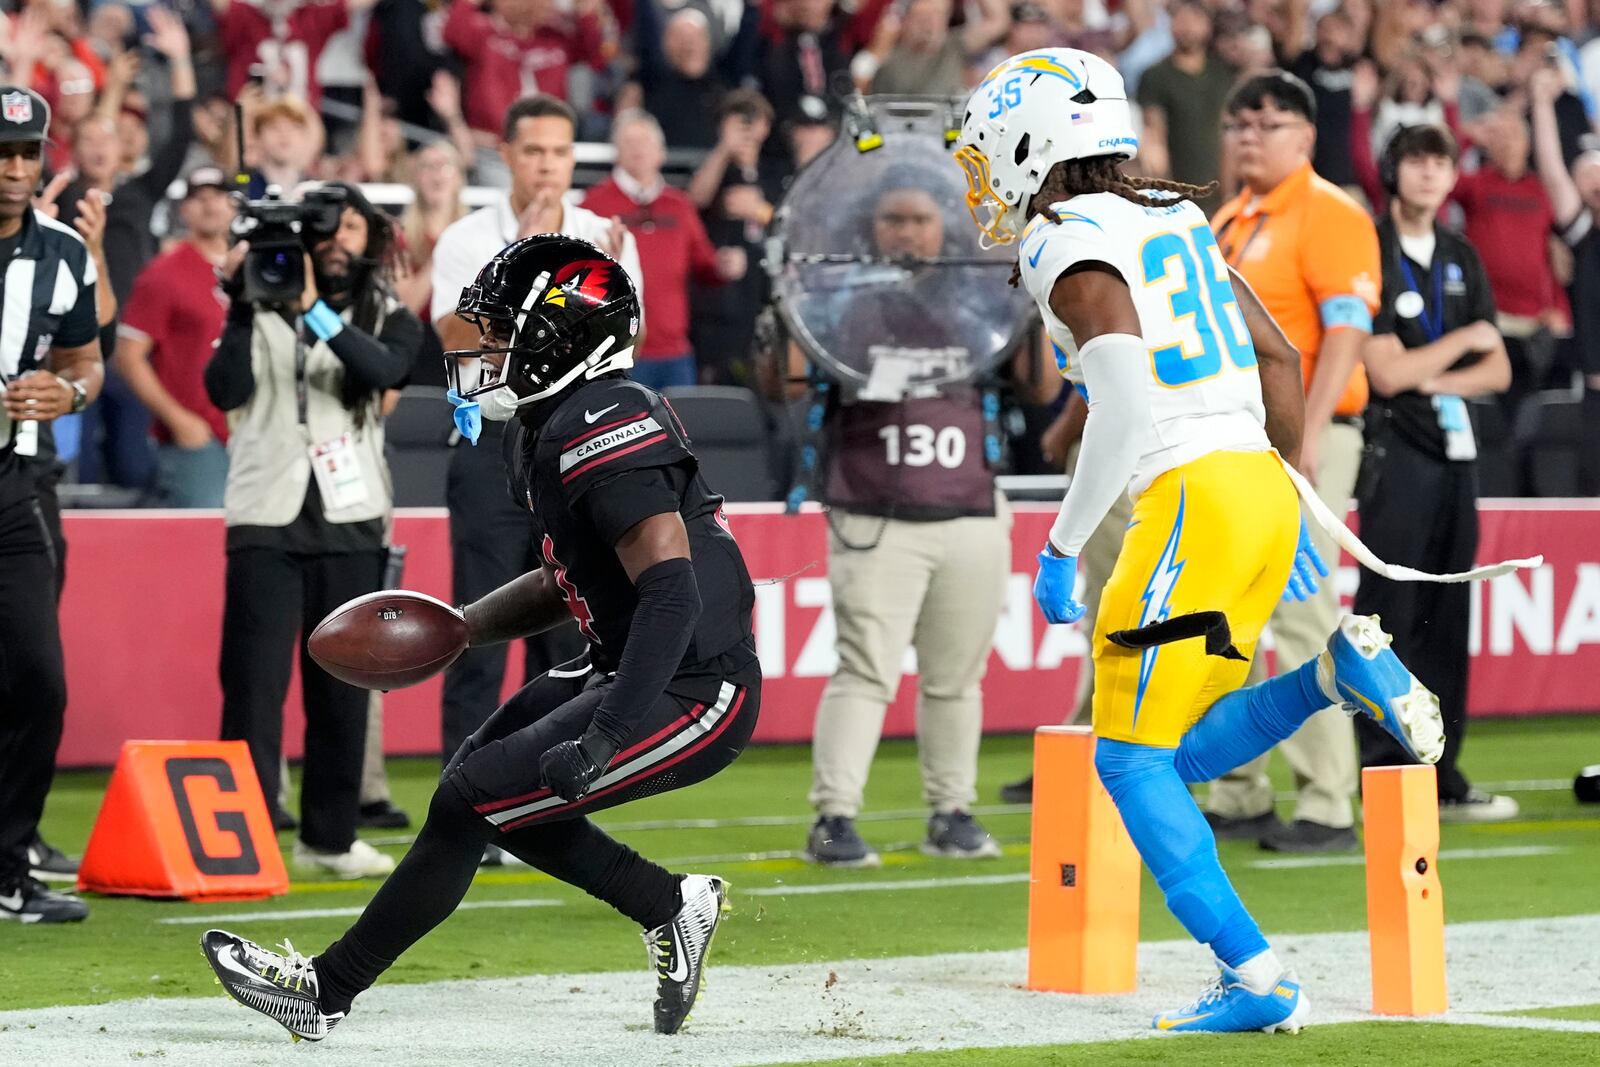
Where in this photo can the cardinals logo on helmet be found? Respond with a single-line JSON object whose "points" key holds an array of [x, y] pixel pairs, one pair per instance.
{"points": [[585, 280]]}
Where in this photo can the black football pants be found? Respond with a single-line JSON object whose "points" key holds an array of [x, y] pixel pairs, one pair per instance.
{"points": [[491, 792], [492, 541], [1421, 512], [33, 681], [272, 600]]}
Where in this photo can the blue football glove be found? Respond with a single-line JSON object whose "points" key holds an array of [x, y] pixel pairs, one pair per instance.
{"points": [[1052, 587], [1308, 565], [468, 416], [571, 767]]}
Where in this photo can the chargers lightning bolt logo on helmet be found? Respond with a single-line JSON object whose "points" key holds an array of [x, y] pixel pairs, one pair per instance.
{"points": [[1031, 112]]}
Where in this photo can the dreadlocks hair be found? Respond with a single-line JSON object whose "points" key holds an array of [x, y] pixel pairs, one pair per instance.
{"points": [[1099, 174]]}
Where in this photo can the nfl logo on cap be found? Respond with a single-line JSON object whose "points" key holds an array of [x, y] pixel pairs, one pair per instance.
{"points": [[17, 107]]}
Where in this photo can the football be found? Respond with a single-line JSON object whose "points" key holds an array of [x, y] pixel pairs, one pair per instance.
{"points": [[389, 639]]}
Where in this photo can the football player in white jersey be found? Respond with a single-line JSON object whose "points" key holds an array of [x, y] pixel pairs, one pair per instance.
{"points": [[1135, 293]]}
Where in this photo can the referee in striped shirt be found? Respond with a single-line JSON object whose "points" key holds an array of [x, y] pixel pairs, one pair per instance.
{"points": [[49, 367]]}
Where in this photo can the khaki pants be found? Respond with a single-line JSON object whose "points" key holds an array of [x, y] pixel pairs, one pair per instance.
{"points": [[935, 586], [1322, 752], [374, 774]]}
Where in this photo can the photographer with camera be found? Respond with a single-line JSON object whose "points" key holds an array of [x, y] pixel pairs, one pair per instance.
{"points": [[313, 337]]}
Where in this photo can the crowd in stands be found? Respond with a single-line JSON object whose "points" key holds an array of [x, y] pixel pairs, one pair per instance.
{"points": [[738, 95]]}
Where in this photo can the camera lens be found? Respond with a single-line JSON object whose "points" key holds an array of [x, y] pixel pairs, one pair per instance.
{"points": [[275, 267]]}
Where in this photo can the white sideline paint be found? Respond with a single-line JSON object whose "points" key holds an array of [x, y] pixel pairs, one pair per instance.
{"points": [[800, 1011], [209, 919]]}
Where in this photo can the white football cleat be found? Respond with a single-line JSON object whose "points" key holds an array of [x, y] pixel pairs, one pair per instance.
{"points": [[281, 986], [678, 949]]}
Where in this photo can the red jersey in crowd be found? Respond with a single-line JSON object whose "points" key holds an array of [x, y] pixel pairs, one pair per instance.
{"points": [[288, 45], [501, 67], [176, 305], [1509, 223], [673, 250]]}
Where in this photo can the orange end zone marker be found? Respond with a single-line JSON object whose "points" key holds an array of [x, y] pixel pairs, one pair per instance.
{"points": [[1405, 902], [184, 819], [1083, 892]]}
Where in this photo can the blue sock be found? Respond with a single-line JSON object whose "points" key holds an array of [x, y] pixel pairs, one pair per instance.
{"points": [[1247, 722], [1176, 844]]}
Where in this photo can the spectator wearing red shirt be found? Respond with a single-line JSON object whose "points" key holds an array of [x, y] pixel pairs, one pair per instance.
{"points": [[284, 37], [519, 48], [1509, 221], [806, 51], [673, 248], [170, 324]]}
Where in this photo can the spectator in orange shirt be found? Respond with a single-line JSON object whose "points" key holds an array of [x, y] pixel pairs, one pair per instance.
{"points": [[1311, 254]]}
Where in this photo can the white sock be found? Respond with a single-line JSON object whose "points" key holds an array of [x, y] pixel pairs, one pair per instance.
{"points": [[1325, 678], [1260, 972]]}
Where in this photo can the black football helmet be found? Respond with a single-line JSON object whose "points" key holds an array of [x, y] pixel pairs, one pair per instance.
{"points": [[556, 308]]}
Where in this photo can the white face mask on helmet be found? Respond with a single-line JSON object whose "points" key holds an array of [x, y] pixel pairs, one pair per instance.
{"points": [[1029, 113]]}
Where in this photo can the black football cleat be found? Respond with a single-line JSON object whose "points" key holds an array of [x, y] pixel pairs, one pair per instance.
{"points": [[283, 987], [49, 864], [678, 949], [27, 900], [383, 815]]}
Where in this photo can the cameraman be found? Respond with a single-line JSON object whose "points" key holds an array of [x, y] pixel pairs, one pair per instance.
{"points": [[302, 376], [918, 553]]}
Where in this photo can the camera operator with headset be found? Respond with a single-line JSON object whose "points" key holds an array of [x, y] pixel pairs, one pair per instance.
{"points": [[314, 335]]}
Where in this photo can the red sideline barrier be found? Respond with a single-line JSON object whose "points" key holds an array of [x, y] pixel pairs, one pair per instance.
{"points": [[142, 615]]}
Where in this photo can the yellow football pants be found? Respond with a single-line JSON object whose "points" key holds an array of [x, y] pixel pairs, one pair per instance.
{"points": [[1217, 534]]}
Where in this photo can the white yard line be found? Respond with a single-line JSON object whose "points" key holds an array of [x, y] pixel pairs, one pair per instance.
{"points": [[1356, 859], [886, 885], [1537, 785], [211, 919], [800, 1011]]}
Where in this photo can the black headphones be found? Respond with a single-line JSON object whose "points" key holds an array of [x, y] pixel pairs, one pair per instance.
{"points": [[1389, 163]]}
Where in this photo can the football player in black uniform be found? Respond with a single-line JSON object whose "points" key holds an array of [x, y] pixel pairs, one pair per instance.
{"points": [[636, 549]]}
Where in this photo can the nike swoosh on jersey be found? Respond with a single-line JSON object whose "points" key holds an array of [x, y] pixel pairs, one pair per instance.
{"points": [[680, 957], [591, 416], [1033, 260]]}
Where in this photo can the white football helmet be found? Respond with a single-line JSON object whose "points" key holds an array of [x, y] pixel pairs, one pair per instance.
{"points": [[1030, 113]]}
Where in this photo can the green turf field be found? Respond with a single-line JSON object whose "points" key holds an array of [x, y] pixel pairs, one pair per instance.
{"points": [[749, 825], [1350, 1043]]}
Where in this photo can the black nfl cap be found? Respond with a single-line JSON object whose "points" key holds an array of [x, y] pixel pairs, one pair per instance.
{"points": [[24, 116]]}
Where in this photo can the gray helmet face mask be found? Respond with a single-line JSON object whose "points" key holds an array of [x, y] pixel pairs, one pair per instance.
{"points": [[877, 269]]}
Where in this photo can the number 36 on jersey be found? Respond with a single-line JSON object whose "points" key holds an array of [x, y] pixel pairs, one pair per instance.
{"points": [[1187, 266]]}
